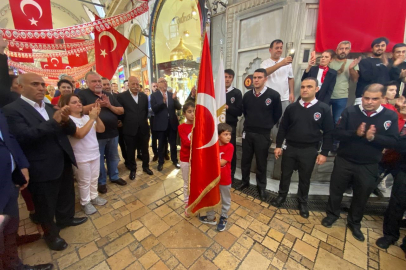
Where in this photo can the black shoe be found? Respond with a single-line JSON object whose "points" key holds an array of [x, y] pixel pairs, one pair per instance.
{"points": [[166, 157], [34, 218], [262, 195], [132, 174], [278, 201], [243, 186], [48, 266], [384, 242], [155, 158], [72, 222], [303, 210], [176, 165], [378, 193], [356, 233], [160, 167], [328, 222], [119, 182], [148, 171], [139, 157], [102, 189], [57, 243], [28, 238]]}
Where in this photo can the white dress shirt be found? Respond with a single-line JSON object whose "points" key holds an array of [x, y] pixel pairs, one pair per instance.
{"points": [[40, 109], [375, 113], [135, 97], [230, 89], [260, 93], [314, 101], [279, 79]]}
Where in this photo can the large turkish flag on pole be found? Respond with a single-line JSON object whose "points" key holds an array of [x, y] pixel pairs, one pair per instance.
{"points": [[360, 22], [109, 47], [204, 193], [31, 14]]}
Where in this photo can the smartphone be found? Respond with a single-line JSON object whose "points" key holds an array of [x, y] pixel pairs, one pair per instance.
{"points": [[291, 53]]}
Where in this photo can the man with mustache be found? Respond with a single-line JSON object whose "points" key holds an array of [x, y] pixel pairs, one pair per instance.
{"points": [[373, 69]]}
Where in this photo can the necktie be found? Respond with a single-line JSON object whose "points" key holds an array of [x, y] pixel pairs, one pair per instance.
{"points": [[257, 94], [325, 69], [369, 113], [306, 104]]}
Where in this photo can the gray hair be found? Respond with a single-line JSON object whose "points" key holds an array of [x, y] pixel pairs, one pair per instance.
{"points": [[91, 73], [344, 42]]}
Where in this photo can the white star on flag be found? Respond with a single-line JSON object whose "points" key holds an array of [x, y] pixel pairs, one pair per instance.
{"points": [[77, 55], [103, 52], [33, 21]]}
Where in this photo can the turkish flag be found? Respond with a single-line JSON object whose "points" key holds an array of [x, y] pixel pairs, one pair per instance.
{"points": [[77, 59], [21, 50], [204, 193], [46, 65], [55, 63], [31, 14], [359, 22], [110, 46]]}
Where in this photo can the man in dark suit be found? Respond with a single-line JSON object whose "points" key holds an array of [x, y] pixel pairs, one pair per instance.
{"points": [[164, 105], [14, 174], [135, 125], [42, 133]]}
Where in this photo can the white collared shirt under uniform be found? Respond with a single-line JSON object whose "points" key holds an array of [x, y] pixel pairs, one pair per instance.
{"points": [[311, 103]]}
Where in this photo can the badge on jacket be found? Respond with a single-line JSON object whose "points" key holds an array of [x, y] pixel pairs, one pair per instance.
{"points": [[232, 99], [268, 101], [387, 124], [317, 116]]}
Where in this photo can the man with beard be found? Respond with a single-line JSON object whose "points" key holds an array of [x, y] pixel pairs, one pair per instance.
{"points": [[346, 70], [373, 69], [398, 65]]}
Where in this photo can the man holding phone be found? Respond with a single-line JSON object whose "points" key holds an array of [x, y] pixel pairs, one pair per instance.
{"points": [[280, 76]]}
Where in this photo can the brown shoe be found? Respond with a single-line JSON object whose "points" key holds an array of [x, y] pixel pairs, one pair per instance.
{"points": [[155, 158], [102, 189], [166, 157]]}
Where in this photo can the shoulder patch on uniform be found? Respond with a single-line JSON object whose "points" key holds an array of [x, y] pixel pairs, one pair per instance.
{"points": [[268, 101], [232, 99], [317, 116], [387, 124]]}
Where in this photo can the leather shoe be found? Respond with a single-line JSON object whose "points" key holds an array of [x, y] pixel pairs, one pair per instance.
{"points": [[72, 222], [102, 189], [57, 243], [160, 167], [378, 193], [48, 266], [139, 157], [28, 238], [328, 222], [176, 165], [119, 182], [155, 158], [278, 201], [384, 242], [262, 195], [303, 210], [148, 171], [356, 233], [166, 157], [132, 174], [243, 186]]}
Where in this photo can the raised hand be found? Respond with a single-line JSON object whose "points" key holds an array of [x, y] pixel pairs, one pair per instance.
{"points": [[93, 114], [400, 102], [193, 92], [354, 62], [286, 61], [403, 73], [105, 101], [361, 130], [399, 61], [65, 112], [370, 135]]}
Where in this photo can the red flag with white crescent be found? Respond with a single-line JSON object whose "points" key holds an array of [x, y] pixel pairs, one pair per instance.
{"points": [[18, 51], [31, 14], [55, 63], [109, 47], [78, 58], [204, 193], [45, 65]]}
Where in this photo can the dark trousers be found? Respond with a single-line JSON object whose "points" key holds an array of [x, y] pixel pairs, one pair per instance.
{"points": [[123, 147], [364, 178], [54, 198], [234, 143], [163, 137], [257, 144], [8, 230], [303, 159], [140, 141], [396, 208], [154, 137], [28, 199]]}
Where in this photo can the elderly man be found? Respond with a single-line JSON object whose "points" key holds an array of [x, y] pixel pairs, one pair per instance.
{"points": [[164, 105], [135, 125], [42, 134], [108, 140]]}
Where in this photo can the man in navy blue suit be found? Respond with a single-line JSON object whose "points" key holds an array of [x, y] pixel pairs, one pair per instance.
{"points": [[14, 175], [164, 105]]}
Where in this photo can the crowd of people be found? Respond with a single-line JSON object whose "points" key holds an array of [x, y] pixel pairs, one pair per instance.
{"points": [[49, 139]]}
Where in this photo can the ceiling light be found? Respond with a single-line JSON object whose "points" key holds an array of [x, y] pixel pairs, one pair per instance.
{"points": [[186, 33]]}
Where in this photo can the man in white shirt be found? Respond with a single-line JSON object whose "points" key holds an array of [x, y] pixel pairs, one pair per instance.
{"points": [[280, 76]]}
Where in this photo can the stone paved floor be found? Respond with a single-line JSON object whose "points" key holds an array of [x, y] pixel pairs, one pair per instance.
{"points": [[143, 227]]}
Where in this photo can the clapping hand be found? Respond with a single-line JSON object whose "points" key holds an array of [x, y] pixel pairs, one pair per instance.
{"points": [[164, 96], [94, 112], [370, 135], [104, 101], [354, 62], [65, 112], [399, 61], [361, 130]]}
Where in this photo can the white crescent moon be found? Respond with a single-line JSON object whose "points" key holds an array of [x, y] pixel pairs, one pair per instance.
{"points": [[210, 104], [55, 59], [68, 67], [111, 36], [30, 2], [45, 65]]}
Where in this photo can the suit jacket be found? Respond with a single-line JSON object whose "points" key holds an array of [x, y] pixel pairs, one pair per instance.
{"points": [[327, 87], [135, 115], [161, 111], [44, 143]]}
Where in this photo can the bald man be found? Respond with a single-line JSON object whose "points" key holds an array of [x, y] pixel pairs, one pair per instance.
{"points": [[135, 125], [42, 133]]}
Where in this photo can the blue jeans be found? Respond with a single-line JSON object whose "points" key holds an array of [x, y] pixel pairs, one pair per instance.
{"points": [[338, 106], [108, 148]]}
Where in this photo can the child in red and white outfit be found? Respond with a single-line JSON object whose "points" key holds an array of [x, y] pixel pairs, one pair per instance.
{"points": [[226, 156], [185, 132]]}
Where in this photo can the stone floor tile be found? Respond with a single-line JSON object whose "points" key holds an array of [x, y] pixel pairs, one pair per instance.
{"points": [[313, 241], [90, 261], [87, 249], [106, 230], [101, 266], [245, 241], [149, 259], [238, 251], [326, 260], [210, 254], [163, 210], [39, 258], [118, 204], [135, 225], [335, 231], [295, 232], [293, 265], [187, 256], [236, 230], [103, 221], [355, 255], [154, 223], [172, 263], [159, 266], [307, 263], [226, 261], [172, 219], [279, 225], [203, 264], [396, 251], [149, 242], [335, 242], [135, 205], [271, 244], [121, 259], [320, 235], [225, 239], [118, 244], [278, 264], [287, 243], [212, 233], [305, 250], [361, 246], [256, 261], [263, 218], [259, 227], [278, 236], [242, 223], [141, 234]]}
